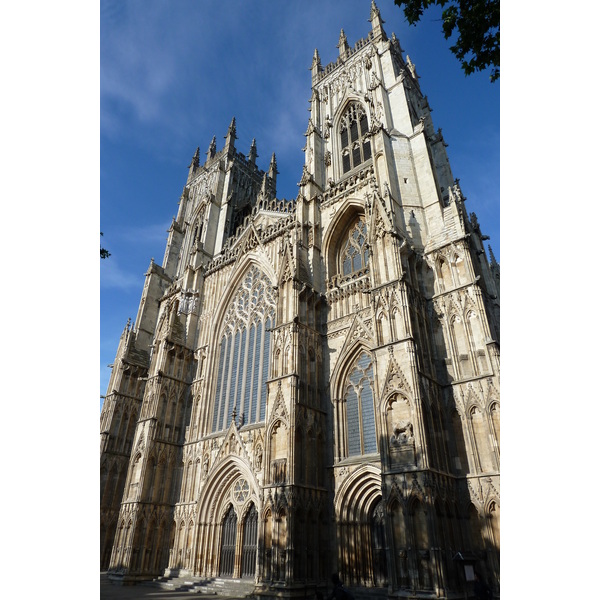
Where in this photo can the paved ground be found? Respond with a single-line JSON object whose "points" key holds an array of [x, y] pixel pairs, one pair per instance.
{"points": [[110, 591]]}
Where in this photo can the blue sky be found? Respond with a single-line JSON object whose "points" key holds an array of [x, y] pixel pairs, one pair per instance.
{"points": [[173, 74]]}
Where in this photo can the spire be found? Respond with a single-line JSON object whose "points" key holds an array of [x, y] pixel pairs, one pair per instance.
{"points": [[316, 67], [493, 262], [343, 45], [264, 188], [273, 168], [125, 336], [273, 173], [253, 153], [231, 130], [230, 137], [376, 21], [495, 270], [412, 68], [195, 159], [195, 163], [212, 149], [396, 42]]}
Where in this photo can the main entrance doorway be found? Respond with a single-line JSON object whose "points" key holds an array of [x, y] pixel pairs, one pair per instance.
{"points": [[243, 565], [228, 543], [249, 546]]}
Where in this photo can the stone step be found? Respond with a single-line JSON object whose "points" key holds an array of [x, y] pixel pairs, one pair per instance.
{"points": [[364, 593], [216, 587]]}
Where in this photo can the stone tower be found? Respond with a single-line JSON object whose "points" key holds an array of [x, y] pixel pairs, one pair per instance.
{"points": [[312, 385]]}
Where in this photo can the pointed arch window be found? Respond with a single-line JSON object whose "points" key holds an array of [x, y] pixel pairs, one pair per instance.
{"points": [[360, 409], [354, 254], [244, 351], [355, 139]]}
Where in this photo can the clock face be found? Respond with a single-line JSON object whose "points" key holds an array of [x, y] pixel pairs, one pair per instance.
{"points": [[241, 491]]}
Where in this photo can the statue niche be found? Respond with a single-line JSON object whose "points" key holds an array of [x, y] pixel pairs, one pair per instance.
{"points": [[401, 439]]}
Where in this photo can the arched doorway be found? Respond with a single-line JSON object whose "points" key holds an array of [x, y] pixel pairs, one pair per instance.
{"points": [[249, 543], [228, 539], [380, 571]]}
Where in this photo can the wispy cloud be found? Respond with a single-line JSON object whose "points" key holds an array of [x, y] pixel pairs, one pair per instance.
{"points": [[113, 276], [136, 244], [138, 63], [152, 234]]}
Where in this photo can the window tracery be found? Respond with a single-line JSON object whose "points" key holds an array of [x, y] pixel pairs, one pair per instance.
{"points": [[360, 410], [354, 255], [355, 140], [244, 352]]}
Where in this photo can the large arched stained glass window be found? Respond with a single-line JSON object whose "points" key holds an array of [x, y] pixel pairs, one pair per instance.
{"points": [[244, 351], [354, 255], [354, 137], [360, 409]]}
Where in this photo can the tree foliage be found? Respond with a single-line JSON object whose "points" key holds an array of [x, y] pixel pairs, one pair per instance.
{"points": [[104, 253], [477, 25]]}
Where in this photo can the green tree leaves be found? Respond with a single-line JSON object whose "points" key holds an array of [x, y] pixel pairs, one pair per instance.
{"points": [[476, 23]]}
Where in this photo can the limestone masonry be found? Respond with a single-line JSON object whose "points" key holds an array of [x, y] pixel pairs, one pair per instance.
{"points": [[312, 385]]}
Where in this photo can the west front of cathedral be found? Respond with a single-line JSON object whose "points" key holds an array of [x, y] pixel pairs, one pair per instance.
{"points": [[311, 385]]}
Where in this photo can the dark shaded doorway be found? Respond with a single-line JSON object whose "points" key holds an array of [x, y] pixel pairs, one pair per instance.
{"points": [[228, 543]]}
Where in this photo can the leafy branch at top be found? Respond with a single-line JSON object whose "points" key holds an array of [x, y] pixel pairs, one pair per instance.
{"points": [[477, 24]]}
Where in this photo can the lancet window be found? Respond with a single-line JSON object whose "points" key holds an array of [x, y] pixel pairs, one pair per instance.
{"points": [[360, 410], [354, 137], [243, 353], [354, 255]]}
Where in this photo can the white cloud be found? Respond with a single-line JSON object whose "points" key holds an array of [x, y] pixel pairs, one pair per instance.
{"points": [[112, 275], [138, 65], [153, 234]]}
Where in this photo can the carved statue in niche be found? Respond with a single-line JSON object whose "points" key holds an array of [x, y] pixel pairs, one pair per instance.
{"points": [[258, 456], [402, 433]]}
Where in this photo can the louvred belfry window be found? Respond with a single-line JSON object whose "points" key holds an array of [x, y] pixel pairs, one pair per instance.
{"points": [[244, 352], [354, 137]]}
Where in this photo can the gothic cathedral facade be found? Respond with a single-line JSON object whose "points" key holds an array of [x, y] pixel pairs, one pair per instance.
{"points": [[312, 385]]}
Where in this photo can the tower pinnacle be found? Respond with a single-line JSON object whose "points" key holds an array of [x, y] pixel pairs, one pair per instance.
{"points": [[195, 159], [212, 149], [376, 21], [230, 137], [343, 44], [253, 153], [493, 261], [195, 162], [315, 67], [273, 172]]}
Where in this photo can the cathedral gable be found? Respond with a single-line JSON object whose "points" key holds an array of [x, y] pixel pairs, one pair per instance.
{"points": [[359, 334], [233, 444], [395, 379]]}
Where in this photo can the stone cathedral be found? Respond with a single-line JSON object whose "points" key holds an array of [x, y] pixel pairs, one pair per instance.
{"points": [[312, 385]]}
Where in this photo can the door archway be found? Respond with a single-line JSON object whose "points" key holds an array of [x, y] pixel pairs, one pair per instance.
{"points": [[228, 540]]}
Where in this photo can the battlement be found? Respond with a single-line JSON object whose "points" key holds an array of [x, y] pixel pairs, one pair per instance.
{"points": [[332, 66]]}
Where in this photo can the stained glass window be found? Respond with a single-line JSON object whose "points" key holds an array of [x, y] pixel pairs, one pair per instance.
{"points": [[355, 253], [360, 409], [243, 366]]}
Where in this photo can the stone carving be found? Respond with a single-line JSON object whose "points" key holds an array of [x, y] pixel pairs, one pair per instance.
{"points": [[402, 434]]}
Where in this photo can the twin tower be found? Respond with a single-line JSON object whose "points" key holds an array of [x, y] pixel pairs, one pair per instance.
{"points": [[312, 385]]}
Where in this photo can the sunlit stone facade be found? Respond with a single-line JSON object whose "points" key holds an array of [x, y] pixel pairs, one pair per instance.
{"points": [[312, 385]]}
